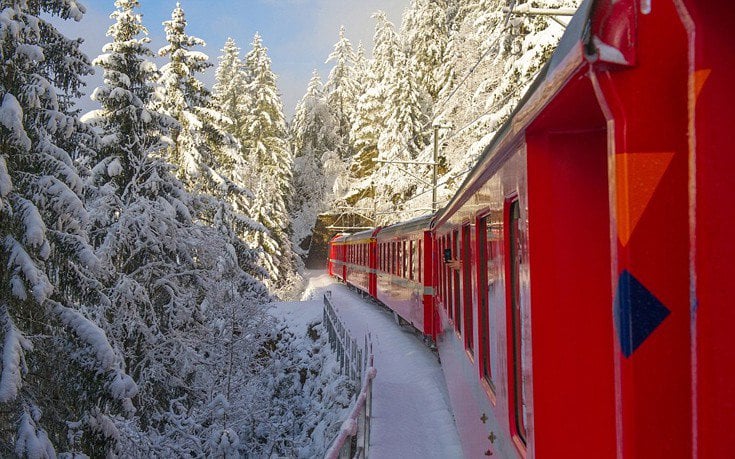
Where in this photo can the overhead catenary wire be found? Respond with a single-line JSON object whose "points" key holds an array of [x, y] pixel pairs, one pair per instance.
{"points": [[454, 134], [459, 130], [434, 115], [439, 107]]}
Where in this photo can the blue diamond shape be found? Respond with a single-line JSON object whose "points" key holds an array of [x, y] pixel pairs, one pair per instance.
{"points": [[637, 313]]}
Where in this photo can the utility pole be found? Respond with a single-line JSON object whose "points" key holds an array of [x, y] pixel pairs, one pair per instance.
{"points": [[434, 164]]}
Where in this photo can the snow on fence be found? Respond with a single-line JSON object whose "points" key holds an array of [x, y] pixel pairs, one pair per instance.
{"points": [[353, 439]]}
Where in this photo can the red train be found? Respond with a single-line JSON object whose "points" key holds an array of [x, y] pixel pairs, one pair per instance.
{"points": [[578, 285]]}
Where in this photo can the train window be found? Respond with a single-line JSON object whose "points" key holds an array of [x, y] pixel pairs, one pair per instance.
{"points": [[443, 270], [516, 384], [410, 260], [447, 281], [486, 282], [457, 287], [440, 270], [393, 255], [438, 277], [467, 288], [385, 257], [420, 275], [389, 257], [396, 258], [404, 260], [399, 259], [382, 257]]}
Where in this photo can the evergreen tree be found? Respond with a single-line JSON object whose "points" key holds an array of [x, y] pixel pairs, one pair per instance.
{"points": [[425, 34], [270, 162], [183, 97], [314, 134], [230, 89], [405, 133], [341, 88], [160, 259], [386, 50], [61, 379], [361, 67], [207, 157], [370, 113]]}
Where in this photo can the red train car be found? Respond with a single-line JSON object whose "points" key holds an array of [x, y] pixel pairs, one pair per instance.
{"points": [[405, 274], [362, 261], [581, 272], [336, 263], [574, 289]]}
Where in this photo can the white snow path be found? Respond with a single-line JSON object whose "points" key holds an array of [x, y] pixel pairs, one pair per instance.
{"points": [[411, 414]]}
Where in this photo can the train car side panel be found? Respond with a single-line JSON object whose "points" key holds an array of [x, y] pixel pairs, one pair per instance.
{"points": [[482, 410], [712, 213], [569, 238]]}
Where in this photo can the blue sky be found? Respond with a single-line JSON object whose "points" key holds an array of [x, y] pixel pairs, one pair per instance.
{"points": [[299, 34]]}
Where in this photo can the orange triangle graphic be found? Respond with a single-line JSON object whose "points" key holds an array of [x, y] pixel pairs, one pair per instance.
{"points": [[637, 177], [700, 78]]}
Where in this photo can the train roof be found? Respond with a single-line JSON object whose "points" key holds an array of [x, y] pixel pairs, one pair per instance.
{"points": [[339, 237], [416, 224], [362, 235], [563, 64]]}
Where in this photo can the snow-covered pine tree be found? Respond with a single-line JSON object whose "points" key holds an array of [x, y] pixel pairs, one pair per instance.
{"points": [[61, 381], [360, 69], [183, 97], [405, 133], [159, 258], [314, 136], [425, 33], [270, 161], [342, 91], [370, 111], [208, 158], [230, 88]]}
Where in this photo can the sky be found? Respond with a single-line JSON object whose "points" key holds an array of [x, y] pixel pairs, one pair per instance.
{"points": [[299, 34]]}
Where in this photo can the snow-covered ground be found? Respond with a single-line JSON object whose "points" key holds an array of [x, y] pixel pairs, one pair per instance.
{"points": [[411, 414]]}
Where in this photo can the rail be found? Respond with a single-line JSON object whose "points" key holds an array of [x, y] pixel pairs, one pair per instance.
{"points": [[353, 439]]}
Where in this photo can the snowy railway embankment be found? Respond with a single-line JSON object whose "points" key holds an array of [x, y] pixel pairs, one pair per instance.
{"points": [[411, 417]]}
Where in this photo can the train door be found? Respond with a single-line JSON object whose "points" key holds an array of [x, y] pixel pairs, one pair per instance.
{"points": [[456, 284], [447, 278], [515, 325], [467, 288], [486, 280]]}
